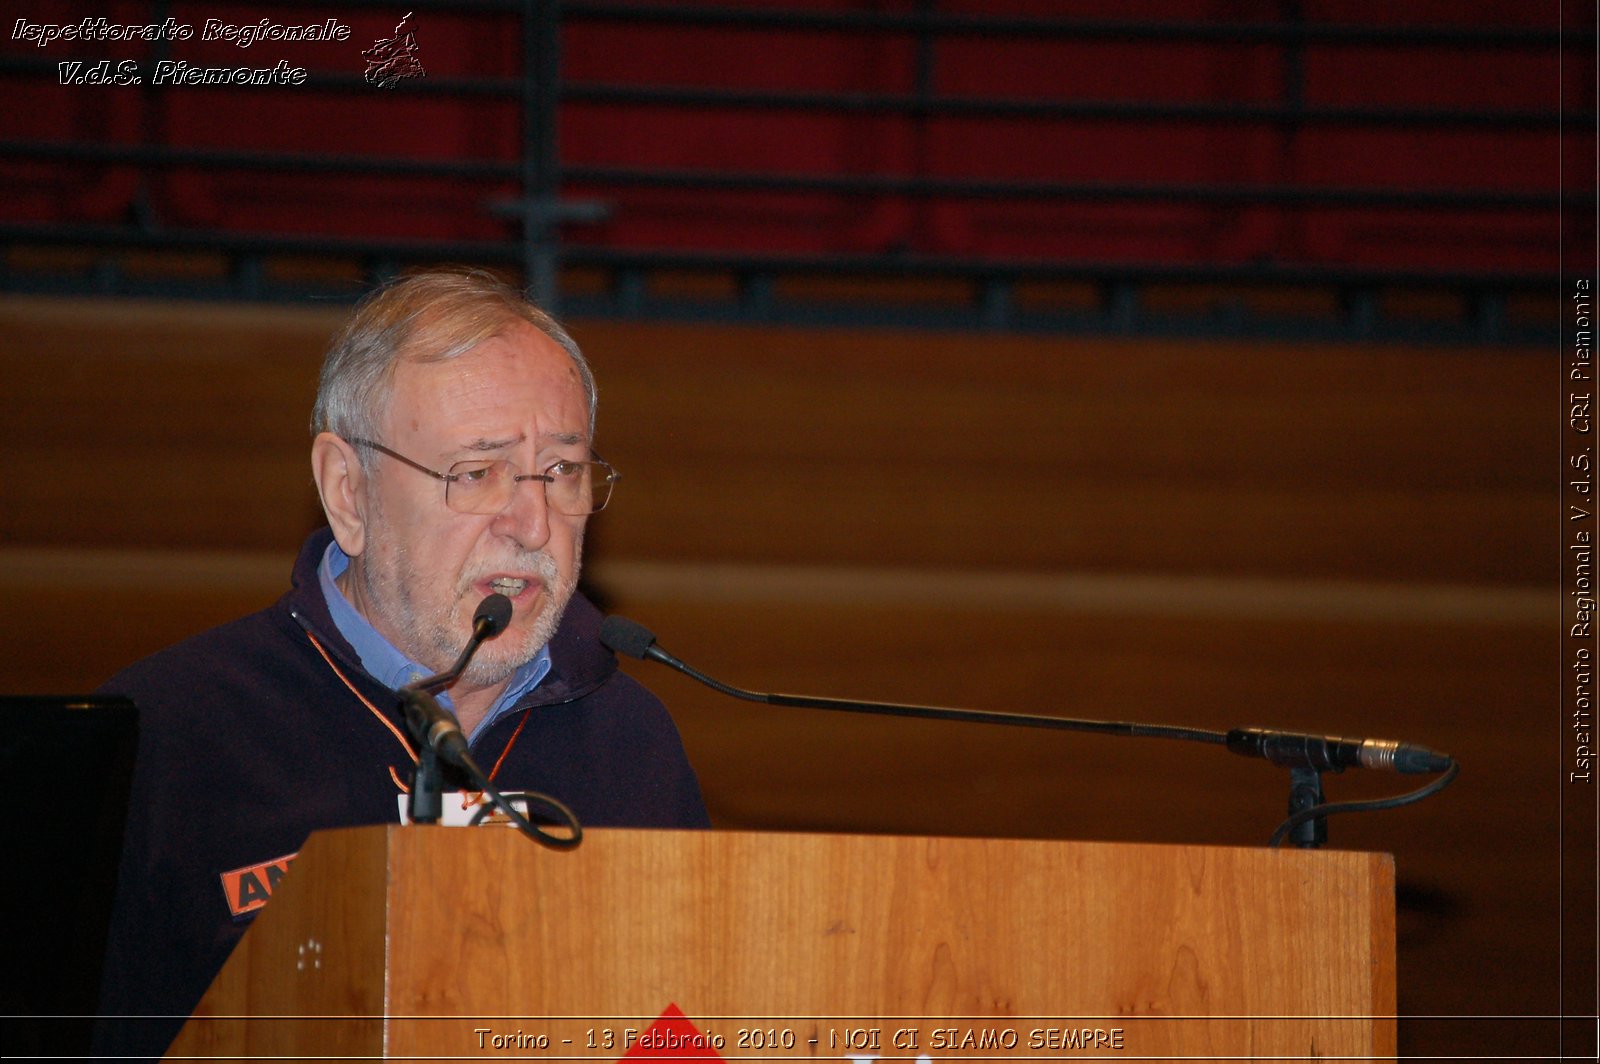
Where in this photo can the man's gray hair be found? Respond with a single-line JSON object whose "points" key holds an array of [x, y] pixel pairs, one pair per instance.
{"points": [[424, 317]]}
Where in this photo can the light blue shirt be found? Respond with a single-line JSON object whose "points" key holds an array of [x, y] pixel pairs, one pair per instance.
{"points": [[392, 668]]}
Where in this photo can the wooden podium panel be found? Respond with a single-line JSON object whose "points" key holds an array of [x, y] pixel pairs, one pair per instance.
{"points": [[408, 942]]}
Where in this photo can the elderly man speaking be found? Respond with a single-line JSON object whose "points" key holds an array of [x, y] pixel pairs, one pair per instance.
{"points": [[453, 453]]}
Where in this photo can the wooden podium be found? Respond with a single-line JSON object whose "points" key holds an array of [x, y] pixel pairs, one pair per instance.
{"points": [[460, 943]]}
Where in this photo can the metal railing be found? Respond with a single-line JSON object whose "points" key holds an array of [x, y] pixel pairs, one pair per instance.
{"points": [[549, 244]]}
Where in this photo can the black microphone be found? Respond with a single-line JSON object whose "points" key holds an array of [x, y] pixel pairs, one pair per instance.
{"points": [[431, 723], [1330, 753], [1306, 756], [633, 639], [1286, 749], [488, 621]]}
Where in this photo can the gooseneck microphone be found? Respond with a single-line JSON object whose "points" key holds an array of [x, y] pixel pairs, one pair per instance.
{"points": [[1328, 753], [1287, 749], [633, 639], [432, 724], [439, 734], [1304, 755], [488, 620]]}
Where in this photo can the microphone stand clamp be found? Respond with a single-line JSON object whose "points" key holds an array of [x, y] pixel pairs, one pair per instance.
{"points": [[1305, 792], [427, 783]]}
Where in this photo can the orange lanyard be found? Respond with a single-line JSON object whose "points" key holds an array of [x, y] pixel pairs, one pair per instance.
{"points": [[398, 734]]}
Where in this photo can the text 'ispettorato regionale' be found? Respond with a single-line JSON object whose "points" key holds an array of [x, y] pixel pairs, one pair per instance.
{"points": [[177, 72]]}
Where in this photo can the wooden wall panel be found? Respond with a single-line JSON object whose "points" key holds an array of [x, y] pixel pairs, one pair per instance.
{"points": [[823, 447], [159, 425], [1352, 540]]}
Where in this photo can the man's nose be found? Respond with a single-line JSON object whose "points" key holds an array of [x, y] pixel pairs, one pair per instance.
{"points": [[526, 517]]}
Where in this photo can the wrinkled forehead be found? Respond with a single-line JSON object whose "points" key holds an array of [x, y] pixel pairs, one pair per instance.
{"points": [[448, 338], [515, 384]]}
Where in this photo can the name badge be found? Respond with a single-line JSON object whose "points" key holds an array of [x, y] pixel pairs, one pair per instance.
{"points": [[459, 807]]}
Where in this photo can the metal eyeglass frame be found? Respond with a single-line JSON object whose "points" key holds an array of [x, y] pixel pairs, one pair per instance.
{"points": [[611, 476]]}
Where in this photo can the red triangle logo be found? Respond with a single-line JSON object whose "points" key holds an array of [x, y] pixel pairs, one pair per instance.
{"points": [[673, 1037]]}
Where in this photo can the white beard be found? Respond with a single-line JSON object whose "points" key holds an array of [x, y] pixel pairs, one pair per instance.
{"points": [[434, 638], [510, 650]]}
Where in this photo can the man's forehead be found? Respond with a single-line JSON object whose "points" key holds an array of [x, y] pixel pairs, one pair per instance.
{"points": [[487, 443], [499, 362], [519, 337], [481, 403]]}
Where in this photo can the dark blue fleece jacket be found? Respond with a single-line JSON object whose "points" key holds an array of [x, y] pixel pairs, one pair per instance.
{"points": [[249, 741]]}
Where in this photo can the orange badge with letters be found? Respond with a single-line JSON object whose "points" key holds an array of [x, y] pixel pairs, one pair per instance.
{"points": [[248, 888]]}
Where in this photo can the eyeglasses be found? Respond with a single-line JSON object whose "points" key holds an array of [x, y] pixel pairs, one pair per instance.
{"points": [[485, 486]]}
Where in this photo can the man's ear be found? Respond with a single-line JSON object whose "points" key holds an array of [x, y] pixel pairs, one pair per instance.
{"points": [[336, 467]]}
